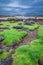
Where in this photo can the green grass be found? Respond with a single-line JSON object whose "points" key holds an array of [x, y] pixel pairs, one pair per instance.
{"points": [[38, 48], [33, 27], [25, 55], [15, 23], [30, 54], [10, 25], [40, 32], [4, 55], [12, 35]]}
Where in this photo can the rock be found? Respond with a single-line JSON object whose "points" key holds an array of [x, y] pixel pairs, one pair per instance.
{"points": [[15, 44], [18, 27], [32, 22], [2, 62], [8, 48], [25, 29], [1, 38], [7, 61], [40, 62], [27, 23]]}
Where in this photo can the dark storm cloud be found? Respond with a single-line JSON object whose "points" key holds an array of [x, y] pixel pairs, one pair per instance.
{"points": [[23, 7]]}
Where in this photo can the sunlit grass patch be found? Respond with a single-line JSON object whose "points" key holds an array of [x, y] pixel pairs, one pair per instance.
{"points": [[12, 35], [32, 27]]}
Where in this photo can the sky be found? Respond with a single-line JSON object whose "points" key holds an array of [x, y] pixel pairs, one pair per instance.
{"points": [[21, 7]]}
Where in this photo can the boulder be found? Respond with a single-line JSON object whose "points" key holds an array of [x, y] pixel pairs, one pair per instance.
{"points": [[27, 23], [32, 22], [15, 44], [2, 62], [8, 48], [1, 38], [7, 61], [18, 27], [25, 29]]}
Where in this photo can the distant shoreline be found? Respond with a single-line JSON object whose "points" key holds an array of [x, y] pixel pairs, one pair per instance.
{"points": [[5, 18], [21, 15]]}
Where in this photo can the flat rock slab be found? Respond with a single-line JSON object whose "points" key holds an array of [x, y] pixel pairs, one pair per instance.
{"points": [[26, 29], [1, 38], [32, 22], [18, 27], [8, 48], [28, 23]]}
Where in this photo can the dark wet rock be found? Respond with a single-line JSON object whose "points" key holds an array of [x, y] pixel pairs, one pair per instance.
{"points": [[1, 38], [1, 51], [32, 22], [40, 62], [15, 44], [25, 29], [7, 61], [18, 27], [2, 62], [27, 23], [8, 48]]}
